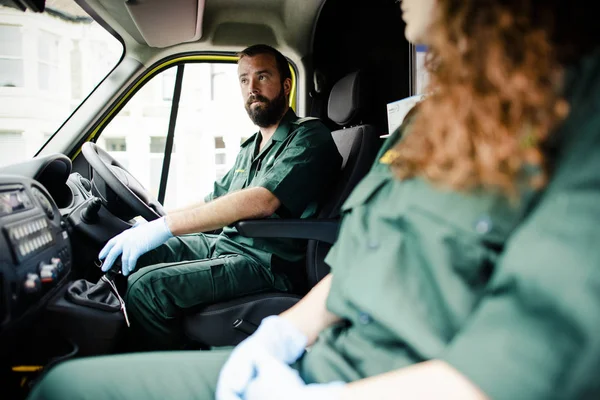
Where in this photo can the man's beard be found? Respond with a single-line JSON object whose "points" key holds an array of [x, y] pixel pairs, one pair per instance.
{"points": [[268, 113]]}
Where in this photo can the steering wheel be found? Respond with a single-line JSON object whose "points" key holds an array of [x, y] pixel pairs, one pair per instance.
{"points": [[125, 186]]}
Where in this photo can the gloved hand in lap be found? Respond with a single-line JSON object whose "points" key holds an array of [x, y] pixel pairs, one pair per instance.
{"points": [[275, 380], [276, 337]]}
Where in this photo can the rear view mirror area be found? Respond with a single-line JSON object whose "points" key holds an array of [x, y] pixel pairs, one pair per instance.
{"points": [[23, 5]]}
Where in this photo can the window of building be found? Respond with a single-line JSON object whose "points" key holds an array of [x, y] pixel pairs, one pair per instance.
{"points": [[220, 157], [13, 147], [11, 56], [158, 144], [220, 152], [103, 53], [219, 142], [48, 61], [115, 144]]}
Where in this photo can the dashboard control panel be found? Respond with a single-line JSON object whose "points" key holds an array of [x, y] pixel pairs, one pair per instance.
{"points": [[35, 251]]}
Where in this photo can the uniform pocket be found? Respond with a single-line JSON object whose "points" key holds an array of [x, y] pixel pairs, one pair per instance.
{"points": [[468, 231], [238, 181]]}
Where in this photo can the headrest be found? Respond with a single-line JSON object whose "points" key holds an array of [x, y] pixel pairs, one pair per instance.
{"points": [[346, 99]]}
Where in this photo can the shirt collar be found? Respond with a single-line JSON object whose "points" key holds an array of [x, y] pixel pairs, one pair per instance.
{"points": [[285, 126], [283, 129]]}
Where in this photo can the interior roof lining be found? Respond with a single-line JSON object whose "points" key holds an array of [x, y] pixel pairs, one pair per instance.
{"points": [[166, 23], [291, 20]]}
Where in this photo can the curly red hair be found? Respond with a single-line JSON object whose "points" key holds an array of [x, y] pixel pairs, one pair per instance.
{"points": [[493, 97]]}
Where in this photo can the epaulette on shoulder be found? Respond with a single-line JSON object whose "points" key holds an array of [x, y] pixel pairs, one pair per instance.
{"points": [[304, 120]]}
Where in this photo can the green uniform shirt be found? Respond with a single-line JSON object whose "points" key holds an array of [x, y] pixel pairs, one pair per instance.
{"points": [[507, 295], [297, 165]]}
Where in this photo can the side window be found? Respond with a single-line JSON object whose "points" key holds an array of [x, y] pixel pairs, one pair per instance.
{"points": [[421, 74], [136, 136], [397, 110], [210, 126]]}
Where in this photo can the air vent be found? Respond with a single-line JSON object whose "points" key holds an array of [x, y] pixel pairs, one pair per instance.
{"points": [[45, 203]]}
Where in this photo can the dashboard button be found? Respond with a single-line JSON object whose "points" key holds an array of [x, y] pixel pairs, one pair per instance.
{"points": [[32, 283]]}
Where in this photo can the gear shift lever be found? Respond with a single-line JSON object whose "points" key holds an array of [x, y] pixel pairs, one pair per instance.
{"points": [[108, 277]]}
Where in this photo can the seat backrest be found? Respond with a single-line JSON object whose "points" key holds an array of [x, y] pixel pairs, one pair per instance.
{"points": [[358, 145]]}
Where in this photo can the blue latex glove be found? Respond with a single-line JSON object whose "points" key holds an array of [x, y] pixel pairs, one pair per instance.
{"points": [[134, 242], [139, 222], [275, 380], [275, 337]]}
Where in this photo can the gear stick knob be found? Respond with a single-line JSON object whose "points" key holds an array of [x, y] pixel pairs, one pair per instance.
{"points": [[90, 212]]}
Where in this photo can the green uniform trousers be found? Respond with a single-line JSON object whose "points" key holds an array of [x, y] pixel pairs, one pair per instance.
{"points": [[156, 375], [182, 274]]}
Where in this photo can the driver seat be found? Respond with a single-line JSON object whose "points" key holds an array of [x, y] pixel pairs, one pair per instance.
{"points": [[228, 323]]}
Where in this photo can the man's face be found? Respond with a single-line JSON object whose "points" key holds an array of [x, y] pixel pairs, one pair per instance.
{"points": [[264, 94]]}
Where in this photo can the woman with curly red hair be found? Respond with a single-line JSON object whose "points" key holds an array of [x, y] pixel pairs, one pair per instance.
{"points": [[468, 260]]}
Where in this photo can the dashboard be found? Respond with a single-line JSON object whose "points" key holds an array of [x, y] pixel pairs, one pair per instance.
{"points": [[52, 226], [35, 248]]}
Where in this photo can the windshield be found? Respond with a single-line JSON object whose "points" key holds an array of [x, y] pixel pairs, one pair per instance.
{"points": [[49, 63]]}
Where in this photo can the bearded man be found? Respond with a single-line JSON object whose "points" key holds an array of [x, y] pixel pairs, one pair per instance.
{"points": [[280, 172]]}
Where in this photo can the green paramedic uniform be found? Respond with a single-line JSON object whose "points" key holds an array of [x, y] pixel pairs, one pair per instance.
{"points": [[509, 295], [297, 165], [506, 293]]}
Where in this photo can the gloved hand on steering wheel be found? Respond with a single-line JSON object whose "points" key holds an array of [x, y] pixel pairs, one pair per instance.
{"points": [[134, 242]]}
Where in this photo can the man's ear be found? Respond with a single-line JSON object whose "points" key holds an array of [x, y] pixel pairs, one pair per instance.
{"points": [[287, 86]]}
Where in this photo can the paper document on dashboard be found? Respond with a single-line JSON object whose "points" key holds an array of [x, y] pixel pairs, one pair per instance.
{"points": [[397, 110]]}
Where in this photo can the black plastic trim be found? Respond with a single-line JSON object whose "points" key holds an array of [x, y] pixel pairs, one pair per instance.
{"points": [[164, 176], [324, 230]]}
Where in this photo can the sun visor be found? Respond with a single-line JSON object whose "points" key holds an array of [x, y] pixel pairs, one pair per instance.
{"points": [[164, 23]]}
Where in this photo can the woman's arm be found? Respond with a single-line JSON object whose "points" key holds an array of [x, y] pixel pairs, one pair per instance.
{"points": [[427, 380], [310, 315]]}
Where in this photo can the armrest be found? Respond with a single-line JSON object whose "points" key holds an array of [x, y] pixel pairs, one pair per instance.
{"points": [[324, 230]]}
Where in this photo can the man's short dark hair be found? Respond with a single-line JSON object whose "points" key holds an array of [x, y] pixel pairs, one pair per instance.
{"points": [[282, 63]]}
